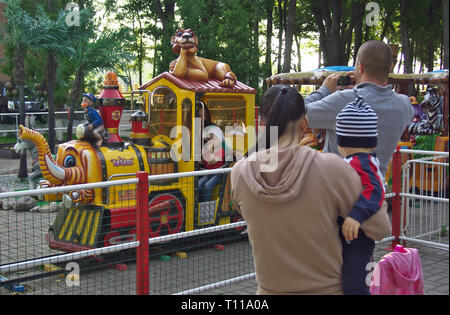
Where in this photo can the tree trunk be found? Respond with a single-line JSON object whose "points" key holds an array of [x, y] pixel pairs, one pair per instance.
{"points": [[416, 48], [400, 62], [19, 77], [407, 48], [336, 29], [358, 40], [446, 26], [141, 53], [23, 168], [51, 67], [269, 34], [75, 93], [298, 43], [430, 53], [320, 56], [280, 34], [289, 34], [167, 18]]}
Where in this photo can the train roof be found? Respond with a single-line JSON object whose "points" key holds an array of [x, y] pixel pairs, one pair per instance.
{"points": [[210, 86]]}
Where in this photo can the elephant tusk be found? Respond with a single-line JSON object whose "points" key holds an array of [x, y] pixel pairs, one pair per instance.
{"points": [[54, 169]]}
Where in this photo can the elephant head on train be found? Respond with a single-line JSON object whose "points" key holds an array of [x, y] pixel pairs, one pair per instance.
{"points": [[76, 163]]}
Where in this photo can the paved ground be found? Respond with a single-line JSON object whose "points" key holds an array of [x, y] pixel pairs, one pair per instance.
{"points": [[435, 267], [11, 166], [22, 237]]}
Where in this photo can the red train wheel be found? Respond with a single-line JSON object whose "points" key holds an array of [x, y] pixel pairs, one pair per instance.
{"points": [[168, 220]]}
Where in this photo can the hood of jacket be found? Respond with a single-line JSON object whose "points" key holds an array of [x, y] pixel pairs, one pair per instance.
{"points": [[287, 175], [406, 267]]}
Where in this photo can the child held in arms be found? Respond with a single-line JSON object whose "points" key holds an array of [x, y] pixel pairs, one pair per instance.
{"points": [[357, 132]]}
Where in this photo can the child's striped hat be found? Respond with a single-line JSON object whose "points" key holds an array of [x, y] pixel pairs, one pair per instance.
{"points": [[357, 125]]}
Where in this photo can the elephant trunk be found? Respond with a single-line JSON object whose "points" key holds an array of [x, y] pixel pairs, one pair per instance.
{"points": [[53, 173]]}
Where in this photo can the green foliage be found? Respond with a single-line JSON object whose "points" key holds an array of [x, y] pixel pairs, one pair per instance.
{"points": [[40, 30], [138, 32], [226, 32], [425, 142]]}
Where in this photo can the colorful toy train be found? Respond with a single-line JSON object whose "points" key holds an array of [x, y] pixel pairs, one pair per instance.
{"points": [[98, 217]]}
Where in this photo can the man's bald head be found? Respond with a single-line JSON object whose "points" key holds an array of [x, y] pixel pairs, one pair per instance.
{"points": [[376, 59]]}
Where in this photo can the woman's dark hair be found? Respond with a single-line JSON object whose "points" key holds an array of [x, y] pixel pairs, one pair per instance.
{"points": [[199, 105], [280, 105]]}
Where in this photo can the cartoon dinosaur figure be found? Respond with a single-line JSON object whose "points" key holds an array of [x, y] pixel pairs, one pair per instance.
{"points": [[190, 66]]}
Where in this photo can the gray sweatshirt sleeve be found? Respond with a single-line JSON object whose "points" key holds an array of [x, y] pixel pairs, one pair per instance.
{"points": [[410, 110], [317, 95], [322, 107]]}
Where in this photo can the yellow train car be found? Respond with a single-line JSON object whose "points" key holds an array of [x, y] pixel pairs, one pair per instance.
{"points": [[170, 102], [165, 138]]}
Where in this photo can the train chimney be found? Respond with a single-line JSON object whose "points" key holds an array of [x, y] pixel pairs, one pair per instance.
{"points": [[110, 104], [139, 128]]}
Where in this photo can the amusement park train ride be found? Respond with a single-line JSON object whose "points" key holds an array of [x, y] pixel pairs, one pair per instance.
{"points": [[93, 218]]}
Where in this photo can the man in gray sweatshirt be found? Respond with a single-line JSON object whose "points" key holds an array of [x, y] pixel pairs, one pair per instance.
{"points": [[395, 112]]}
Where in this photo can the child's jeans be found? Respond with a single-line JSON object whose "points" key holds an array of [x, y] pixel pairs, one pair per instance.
{"points": [[356, 257], [206, 185]]}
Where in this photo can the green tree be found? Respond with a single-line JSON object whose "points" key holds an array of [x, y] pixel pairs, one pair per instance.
{"points": [[228, 31], [446, 27], [25, 33], [165, 10], [336, 21], [290, 28], [94, 52], [55, 42], [305, 28], [268, 9], [204, 18], [236, 35], [135, 14]]}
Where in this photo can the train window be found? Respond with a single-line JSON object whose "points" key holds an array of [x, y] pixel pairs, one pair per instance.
{"points": [[227, 112], [231, 113], [186, 119], [163, 112], [187, 113]]}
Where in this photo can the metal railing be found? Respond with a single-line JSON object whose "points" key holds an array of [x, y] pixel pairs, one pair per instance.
{"points": [[425, 212], [123, 127], [419, 215], [141, 244], [420, 203]]}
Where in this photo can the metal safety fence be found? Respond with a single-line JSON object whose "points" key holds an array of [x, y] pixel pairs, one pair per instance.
{"points": [[38, 121], [420, 208], [48, 248], [173, 233], [158, 234]]}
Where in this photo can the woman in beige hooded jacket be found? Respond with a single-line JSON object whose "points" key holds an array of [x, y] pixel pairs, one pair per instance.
{"points": [[292, 201]]}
